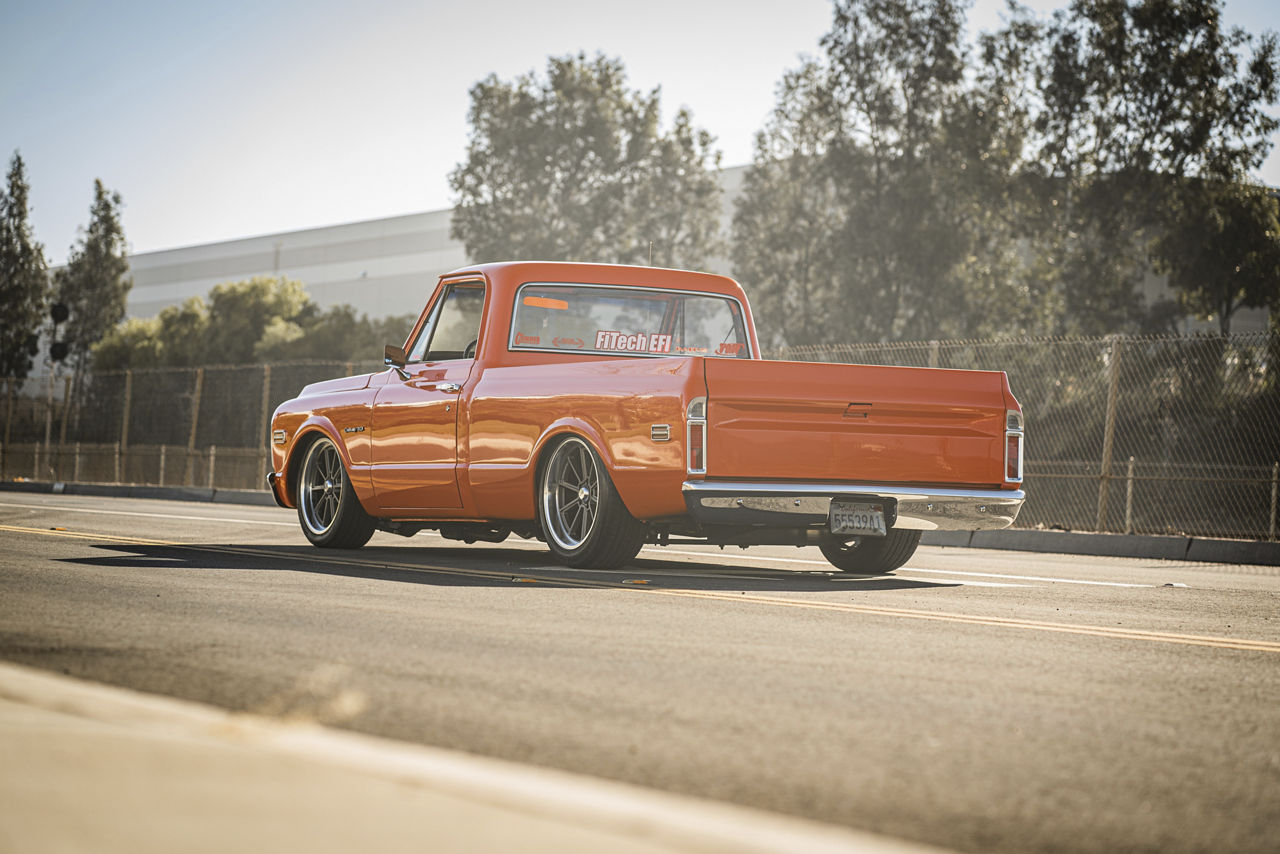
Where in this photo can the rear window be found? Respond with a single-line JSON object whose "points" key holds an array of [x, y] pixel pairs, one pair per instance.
{"points": [[627, 321]]}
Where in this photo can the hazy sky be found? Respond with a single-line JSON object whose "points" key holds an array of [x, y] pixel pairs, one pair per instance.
{"points": [[244, 117]]}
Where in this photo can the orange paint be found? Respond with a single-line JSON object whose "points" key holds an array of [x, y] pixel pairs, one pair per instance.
{"points": [[460, 438]]}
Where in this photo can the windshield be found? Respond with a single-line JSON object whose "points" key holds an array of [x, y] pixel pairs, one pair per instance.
{"points": [[635, 321]]}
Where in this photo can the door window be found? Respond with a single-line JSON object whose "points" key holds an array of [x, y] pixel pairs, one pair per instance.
{"points": [[453, 329]]}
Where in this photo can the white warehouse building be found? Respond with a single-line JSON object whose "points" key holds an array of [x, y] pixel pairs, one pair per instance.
{"points": [[380, 266]]}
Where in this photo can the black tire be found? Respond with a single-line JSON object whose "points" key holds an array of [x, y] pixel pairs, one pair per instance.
{"points": [[583, 519], [328, 510], [873, 555]]}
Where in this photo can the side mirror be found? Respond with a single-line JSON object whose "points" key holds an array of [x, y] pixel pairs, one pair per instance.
{"points": [[393, 356]]}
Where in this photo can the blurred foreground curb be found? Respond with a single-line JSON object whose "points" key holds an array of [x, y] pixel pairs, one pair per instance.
{"points": [[90, 767]]}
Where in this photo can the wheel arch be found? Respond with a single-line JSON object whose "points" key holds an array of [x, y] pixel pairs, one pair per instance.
{"points": [[557, 433], [307, 435]]}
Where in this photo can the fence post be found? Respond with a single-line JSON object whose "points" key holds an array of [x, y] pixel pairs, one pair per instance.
{"points": [[75, 474], [66, 407], [213, 461], [117, 456], [1275, 481], [189, 475], [264, 420], [8, 421], [124, 419], [48, 408], [35, 463], [1128, 499], [163, 448], [1109, 432]]}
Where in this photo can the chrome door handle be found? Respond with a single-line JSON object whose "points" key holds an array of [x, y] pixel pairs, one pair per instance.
{"points": [[448, 388]]}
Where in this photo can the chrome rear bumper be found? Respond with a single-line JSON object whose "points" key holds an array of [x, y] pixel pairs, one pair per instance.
{"points": [[717, 502]]}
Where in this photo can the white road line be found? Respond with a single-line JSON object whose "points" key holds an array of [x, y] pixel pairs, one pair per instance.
{"points": [[720, 555], [1024, 577], [725, 556], [58, 508], [643, 571]]}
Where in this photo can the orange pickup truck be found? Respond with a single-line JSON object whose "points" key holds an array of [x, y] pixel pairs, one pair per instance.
{"points": [[601, 407]]}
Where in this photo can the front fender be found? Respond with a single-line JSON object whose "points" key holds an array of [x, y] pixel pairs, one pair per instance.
{"points": [[307, 432]]}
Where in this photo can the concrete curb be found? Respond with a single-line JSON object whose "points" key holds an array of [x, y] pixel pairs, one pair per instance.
{"points": [[123, 490], [1149, 547], [1202, 549], [157, 750]]}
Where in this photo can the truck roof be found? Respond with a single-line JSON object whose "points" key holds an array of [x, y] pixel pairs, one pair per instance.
{"points": [[514, 273]]}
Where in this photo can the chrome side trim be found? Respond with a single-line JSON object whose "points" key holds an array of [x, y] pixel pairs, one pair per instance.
{"points": [[918, 508]]}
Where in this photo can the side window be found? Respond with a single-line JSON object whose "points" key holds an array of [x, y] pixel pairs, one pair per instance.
{"points": [[452, 330]]}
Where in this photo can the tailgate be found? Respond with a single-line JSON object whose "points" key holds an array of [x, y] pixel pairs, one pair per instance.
{"points": [[866, 423]]}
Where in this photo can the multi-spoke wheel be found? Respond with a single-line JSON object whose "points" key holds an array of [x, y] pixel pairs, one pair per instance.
{"points": [[328, 509], [873, 555], [582, 517]]}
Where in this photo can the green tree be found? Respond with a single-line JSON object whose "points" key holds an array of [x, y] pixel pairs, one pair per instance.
{"points": [[94, 284], [1137, 96], [1220, 247], [24, 277], [263, 319], [575, 166], [881, 198], [787, 216]]}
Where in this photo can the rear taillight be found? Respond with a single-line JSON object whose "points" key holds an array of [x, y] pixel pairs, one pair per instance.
{"points": [[696, 436], [1014, 439]]}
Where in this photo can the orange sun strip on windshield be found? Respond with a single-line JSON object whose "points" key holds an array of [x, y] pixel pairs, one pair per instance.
{"points": [[546, 302]]}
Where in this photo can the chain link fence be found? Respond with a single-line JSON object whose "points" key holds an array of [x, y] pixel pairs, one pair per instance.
{"points": [[203, 427], [1152, 435], [1161, 435]]}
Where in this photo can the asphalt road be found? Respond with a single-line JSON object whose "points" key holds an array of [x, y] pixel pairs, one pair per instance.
{"points": [[978, 700]]}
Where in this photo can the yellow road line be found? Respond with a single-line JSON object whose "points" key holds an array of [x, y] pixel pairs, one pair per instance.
{"points": [[79, 535], [1114, 633]]}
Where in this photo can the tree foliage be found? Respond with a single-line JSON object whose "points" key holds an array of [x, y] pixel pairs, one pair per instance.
{"points": [[263, 319], [573, 165], [1220, 247], [94, 284], [867, 209], [24, 277], [1141, 101], [912, 184]]}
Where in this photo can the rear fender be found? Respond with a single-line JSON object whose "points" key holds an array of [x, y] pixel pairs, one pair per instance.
{"points": [[571, 427]]}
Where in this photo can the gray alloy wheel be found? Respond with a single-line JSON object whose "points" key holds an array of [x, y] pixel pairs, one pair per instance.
{"points": [[583, 519], [873, 555], [330, 513]]}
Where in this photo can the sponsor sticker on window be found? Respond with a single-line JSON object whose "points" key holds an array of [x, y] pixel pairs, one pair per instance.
{"points": [[640, 342]]}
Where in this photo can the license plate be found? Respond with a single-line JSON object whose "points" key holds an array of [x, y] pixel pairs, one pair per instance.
{"points": [[865, 520]]}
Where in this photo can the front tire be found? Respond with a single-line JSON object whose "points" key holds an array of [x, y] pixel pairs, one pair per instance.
{"points": [[328, 510], [873, 555], [582, 516]]}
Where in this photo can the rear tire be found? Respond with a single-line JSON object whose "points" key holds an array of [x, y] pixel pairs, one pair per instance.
{"points": [[873, 555], [328, 510], [582, 516]]}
